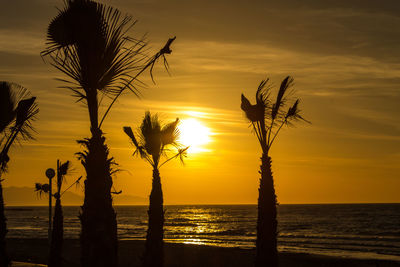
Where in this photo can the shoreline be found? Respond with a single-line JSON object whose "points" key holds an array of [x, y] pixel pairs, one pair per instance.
{"points": [[178, 254]]}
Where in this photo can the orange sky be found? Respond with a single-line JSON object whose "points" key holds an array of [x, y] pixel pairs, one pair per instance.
{"points": [[343, 55]]}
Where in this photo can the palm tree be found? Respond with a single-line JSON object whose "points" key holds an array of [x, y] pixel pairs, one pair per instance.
{"points": [[56, 243], [87, 41], [153, 143], [57, 236], [267, 119], [17, 111]]}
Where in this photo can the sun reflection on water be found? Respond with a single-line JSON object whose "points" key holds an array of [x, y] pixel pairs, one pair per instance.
{"points": [[201, 226], [194, 241]]}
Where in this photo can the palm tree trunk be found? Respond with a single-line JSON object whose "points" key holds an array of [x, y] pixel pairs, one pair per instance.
{"points": [[55, 259], [99, 244], [154, 247], [266, 243], [93, 108], [4, 260]]}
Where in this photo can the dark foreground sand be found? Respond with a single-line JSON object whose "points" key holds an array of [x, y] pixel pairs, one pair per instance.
{"points": [[35, 250]]}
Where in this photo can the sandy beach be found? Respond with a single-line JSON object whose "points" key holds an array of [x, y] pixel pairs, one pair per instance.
{"points": [[35, 251]]}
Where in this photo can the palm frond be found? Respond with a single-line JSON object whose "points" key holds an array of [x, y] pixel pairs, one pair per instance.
{"points": [[129, 132], [42, 188], [151, 134], [11, 94], [4, 158], [27, 110], [253, 113], [7, 105], [76, 183], [64, 168], [293, 113], [170, 133], [24, 110], [149, 63], [274, 117], [263, 92], [245, 105], [82, 156], [61, 173], [280, 98], [182, 153], [87, 42], [18, 123], [155, 140], [77, 22], [2, 139], [139, 148]]}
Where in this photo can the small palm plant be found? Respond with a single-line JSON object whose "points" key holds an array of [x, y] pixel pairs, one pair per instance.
{"points": [[267, 119], [153, 142], [87, 41], [17, 111], [57, 236]]}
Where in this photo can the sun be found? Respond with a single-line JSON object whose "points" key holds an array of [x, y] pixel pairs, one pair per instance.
{"points": [[194, 134]]}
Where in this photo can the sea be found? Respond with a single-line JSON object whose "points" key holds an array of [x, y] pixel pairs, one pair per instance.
{"points": [[370, 231]]}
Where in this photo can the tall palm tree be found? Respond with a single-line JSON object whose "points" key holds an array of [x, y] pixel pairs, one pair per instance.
{"points": [[88, 42], [17, 111], [267, 118], [152, 143]]}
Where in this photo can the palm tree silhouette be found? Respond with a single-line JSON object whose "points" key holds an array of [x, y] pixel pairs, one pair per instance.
{"points": [[17, 111], [87, 41], [57, 236], [153, 142], [267, 119]]}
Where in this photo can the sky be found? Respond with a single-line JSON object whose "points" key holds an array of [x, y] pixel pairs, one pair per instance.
{"points": [[344, 57]]}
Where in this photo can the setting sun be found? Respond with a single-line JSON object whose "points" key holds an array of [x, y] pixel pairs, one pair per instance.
{"points": [[199, 133], [194, 134]]}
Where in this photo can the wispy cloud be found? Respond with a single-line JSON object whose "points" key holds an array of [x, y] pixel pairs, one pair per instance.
{"points": [[320, 75], [21, 42], [373, 115]]}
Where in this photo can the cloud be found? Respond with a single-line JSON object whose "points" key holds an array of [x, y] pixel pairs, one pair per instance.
{"points": [[172, 109], [315, 74], [355, 134], [21, 42], [374, 116], [385, 162]]}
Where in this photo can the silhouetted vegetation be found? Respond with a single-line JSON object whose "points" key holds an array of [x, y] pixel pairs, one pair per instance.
{"points": [[87, 41], [152, 142], [57, 234], [17, 111], [267, 118]]}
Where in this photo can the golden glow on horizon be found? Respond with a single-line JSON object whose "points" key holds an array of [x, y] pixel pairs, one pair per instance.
{"points": [[194, 134]]}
